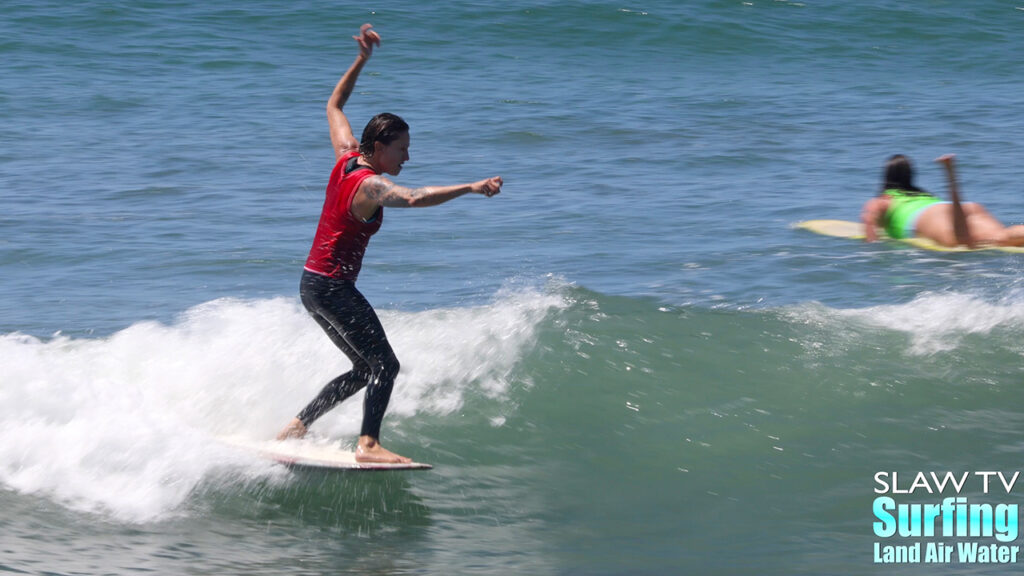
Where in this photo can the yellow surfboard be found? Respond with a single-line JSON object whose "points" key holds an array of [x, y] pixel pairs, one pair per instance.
{"points": [[855, 231]]}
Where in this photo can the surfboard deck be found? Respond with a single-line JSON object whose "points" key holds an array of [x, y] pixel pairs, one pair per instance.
{"points": [[855, 231], [315, 454]]}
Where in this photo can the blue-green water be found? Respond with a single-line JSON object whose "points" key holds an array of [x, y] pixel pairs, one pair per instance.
{"points": [[629, 362]]}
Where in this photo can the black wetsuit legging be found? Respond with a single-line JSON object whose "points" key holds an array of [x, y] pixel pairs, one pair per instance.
{"points": [[353, 326]]}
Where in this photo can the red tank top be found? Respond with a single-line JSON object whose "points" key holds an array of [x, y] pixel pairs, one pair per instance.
{"points": [[341, 238]]}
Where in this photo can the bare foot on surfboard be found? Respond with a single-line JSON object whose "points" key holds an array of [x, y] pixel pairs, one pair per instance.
{"points": [[369, 450], [294, 429]]}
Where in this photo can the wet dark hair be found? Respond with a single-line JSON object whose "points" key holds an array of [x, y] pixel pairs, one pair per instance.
{"points": [[384, 128], [899, 174]]}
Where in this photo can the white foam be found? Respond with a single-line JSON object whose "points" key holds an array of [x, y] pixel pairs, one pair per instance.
{"points": [[934, 322], [125, 425]]}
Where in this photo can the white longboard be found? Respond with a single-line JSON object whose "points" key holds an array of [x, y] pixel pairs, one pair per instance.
{"points": [[312, 454]]}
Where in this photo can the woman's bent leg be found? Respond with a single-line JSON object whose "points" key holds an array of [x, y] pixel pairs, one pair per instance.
{"points": [[351, 323]]}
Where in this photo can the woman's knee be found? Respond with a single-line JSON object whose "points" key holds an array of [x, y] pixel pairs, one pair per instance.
{"points": [[386, 366]]}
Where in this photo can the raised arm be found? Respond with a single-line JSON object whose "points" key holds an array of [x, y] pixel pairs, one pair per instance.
{"points": [[342, 138], [960, 228]]}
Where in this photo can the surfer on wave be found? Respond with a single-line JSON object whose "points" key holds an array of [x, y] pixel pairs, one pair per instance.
{"points": [[904, 211], [353, 211]]}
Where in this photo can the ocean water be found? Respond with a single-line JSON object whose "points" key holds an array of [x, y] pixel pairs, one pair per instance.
{"points": [[628, 362]]}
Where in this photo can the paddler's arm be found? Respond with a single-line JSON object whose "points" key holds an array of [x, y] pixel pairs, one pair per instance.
{"points": [[341, 131], [960, 228], [871, 214], [379, 191]]}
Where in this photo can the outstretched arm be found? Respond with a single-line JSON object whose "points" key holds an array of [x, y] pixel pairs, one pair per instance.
{"points": [[379, 191], [341, 131]]}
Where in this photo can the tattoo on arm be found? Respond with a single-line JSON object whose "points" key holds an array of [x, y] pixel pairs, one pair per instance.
{"points": [[377, 189], [387, 193]]}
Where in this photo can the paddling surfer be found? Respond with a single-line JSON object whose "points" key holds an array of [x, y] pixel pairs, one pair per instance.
{"points": [[904, 211]]}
